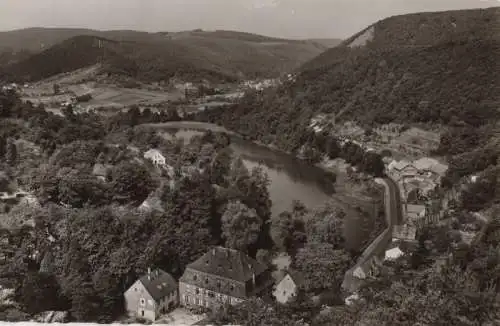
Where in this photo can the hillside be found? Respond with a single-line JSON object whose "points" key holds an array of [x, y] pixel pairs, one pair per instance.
{"points": [[156, 56], [430, 68]]}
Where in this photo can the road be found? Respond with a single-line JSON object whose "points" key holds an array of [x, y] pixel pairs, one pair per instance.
{"points": [[394, 216], [395, 206]]}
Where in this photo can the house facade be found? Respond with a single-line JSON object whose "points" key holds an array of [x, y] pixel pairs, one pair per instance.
{"points": [[156, 157], [152, 295], [288, 288], [222, 276]]}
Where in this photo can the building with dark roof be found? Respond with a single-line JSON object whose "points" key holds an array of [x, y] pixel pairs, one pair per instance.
{"points": [[152, 295], [223, 276]]}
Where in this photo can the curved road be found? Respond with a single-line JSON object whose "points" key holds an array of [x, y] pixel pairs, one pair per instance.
{"points": [[394, 216], [395, 206]]}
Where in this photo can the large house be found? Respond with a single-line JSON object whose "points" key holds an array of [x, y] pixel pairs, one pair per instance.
{"points": [[223, 276], [402, 169], [152, 295]]}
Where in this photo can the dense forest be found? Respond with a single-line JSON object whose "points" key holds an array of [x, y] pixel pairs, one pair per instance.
{"points": [[219, 56], [434, 69]]}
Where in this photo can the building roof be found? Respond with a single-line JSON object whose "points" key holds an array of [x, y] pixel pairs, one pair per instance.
{"points": [[228, 263], [405, 231], [430, 164], [154, 153], [158, 283], [415, 209], [398, 165], [393, 253], [296, 276], [100, 170]]}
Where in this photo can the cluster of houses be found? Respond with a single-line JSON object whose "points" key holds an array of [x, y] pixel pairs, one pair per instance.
{"points": [[418, 181], [259, 85], [221, 276]]}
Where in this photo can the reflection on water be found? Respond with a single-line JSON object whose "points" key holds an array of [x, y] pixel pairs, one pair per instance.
{"points": [[290, 179]]}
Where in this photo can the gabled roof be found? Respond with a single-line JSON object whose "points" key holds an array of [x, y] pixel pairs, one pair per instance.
{"points": [[415, 209], [153, 153], [228, 263], [158, 283], [430, 164], [399, 165], [393, 253], [100, 170], [296, 276]]}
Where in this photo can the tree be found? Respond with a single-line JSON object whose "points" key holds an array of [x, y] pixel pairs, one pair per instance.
{"points": [[3, 147], [220, 167], [11, 152], [131, 182], [481, 193], [288, 232], [240, 226], [77, 187], [39, 292], [56, 88], [326, 225], [264, 256], [322, 266], [373, 164], [333, 149], [254, 312]]}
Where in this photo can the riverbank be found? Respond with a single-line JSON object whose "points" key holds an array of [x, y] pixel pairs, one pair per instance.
{"points": [[294, 179]]}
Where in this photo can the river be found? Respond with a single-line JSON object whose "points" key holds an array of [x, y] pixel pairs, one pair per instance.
{"points": [[290, 179]]}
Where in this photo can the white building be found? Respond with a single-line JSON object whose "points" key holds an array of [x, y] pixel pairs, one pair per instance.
{"points": [[393, 254], [288, 287], [155, 156]]}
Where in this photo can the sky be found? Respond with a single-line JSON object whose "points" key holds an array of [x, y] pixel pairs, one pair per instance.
{"points": [[280, 18]]}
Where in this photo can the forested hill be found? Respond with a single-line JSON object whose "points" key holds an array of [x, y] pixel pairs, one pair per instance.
{"points": [[435, 68], [221, 55]]}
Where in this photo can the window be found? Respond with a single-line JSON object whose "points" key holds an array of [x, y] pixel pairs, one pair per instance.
{"points": [[197, 301], [135, 289], [197, 291], [232, 287], [195, 277], [186, 299], [219, 285], [142, 301], [211, 294], [206, 280]]}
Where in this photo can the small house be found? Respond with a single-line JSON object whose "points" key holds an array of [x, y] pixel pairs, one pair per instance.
{"points": [[402, 169], [101, 171], [393, 254], [288, 287], [156, 157], [405, 232], [152, 295], [415, 212]]}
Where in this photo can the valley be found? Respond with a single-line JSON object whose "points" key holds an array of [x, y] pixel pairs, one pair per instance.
{"points": [[222, 177]]}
